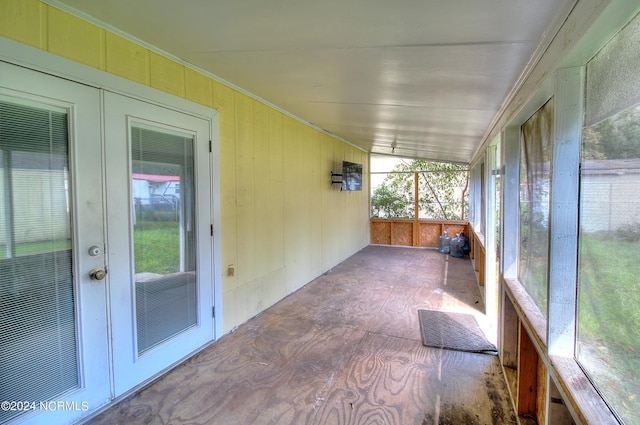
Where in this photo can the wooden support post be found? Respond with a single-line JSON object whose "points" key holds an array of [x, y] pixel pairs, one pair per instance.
{"points": [[542, 398], [416, 212]]}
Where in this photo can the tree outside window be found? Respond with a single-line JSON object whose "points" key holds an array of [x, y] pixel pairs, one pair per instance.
{"points": [[442, 191]]}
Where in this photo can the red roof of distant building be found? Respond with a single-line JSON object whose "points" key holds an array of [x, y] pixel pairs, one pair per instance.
{"points": [[155, 177]]}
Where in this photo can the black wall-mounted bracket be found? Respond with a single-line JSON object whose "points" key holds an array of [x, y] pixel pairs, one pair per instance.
{"points": [[333, 181]]}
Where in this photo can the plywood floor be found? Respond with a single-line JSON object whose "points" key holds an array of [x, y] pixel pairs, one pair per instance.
{"points": [[345, 349]]}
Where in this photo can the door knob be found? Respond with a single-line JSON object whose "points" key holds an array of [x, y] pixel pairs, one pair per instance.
{"points": [[97, 274]]}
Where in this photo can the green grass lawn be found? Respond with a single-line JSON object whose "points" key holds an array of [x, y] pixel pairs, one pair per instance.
{"points": [[157, 246], [609, 319], [37, 247], [610, 290]]}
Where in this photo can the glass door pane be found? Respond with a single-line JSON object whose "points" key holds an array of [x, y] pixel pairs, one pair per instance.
{"points": [[162, 182], [158, 226], [38, 341]]}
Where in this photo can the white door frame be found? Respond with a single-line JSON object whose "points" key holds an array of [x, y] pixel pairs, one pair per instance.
{"points": [[35, 59]]}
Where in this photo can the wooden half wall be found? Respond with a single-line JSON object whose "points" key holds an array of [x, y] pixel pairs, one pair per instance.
{"points": [[409, 232]]}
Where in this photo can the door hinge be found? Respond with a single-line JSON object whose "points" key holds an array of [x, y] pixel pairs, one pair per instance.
{"points": [[213, 312], [210, 146], [212, 230]]}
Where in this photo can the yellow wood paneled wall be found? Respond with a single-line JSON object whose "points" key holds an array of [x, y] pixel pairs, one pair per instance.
{"points": [[283, 224]]}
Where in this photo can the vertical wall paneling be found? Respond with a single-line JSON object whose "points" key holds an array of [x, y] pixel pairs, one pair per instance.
{"points": [[316, 207], [224, 101], [166, 75], [275, 210], [43, 28], [198, 88], [258, 287], [306, 218], [25, 21], [245, 194], [75, 39], [127, 59], [294, 199], [333, 204]]}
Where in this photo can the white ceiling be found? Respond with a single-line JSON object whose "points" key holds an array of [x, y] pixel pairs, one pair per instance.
{"points": [[429, 74]]}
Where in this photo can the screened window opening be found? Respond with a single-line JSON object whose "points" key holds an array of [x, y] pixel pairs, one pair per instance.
{"points": [[442, 190], [608, 317], [608, 341], [535, 185]]}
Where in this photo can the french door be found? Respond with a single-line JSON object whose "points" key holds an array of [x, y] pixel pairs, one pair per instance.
{"points": [[105, 244], [159, 233], [54, 354]]}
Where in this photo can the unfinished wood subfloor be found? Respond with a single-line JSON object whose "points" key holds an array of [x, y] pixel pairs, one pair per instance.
{"points": [[345, 349]]}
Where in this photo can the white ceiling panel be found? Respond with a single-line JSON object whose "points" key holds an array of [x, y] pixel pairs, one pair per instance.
{"points": [[430, 75]]}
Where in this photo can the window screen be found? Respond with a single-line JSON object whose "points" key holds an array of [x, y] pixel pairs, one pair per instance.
{"points": [[535, 184], [608, 320]]}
